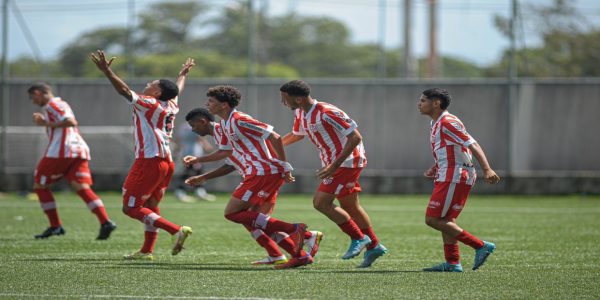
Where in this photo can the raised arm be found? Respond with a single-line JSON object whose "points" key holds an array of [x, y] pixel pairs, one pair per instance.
{"points": [[189, 63], [103, 65]]}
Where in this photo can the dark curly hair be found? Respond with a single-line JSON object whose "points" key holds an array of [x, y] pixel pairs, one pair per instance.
{"points": [[440, 94], [225, 93], [296, 88], [169, 90]]}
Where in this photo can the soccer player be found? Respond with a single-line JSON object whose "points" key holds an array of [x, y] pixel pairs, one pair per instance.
{"points": [[153, 119], [67, 156], [343, 158], [265, 167], [202, 123], [454, 175]]}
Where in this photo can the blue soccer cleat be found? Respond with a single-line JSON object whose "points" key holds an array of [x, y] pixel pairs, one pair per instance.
{"points": [[356, 246], [372, 255], [482, 254], [445, 267]]}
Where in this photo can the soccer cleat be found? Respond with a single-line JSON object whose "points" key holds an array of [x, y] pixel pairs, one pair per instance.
{"points": [[312, 243], [298, 237], [445, 267], [295, 262], [356, 246], [138, 256], [179, 238], [482, 254], [271, 260], [50, 231], [373, 254], [106, 229]]}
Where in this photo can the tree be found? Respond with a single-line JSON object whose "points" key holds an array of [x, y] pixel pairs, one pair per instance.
{"points": [[570, 44]]}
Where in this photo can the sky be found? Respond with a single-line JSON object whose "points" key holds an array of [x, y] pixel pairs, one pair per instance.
{"points": [[466, 29]]}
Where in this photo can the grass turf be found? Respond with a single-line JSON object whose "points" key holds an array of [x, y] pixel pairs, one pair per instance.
{"points": [[547, 248]]}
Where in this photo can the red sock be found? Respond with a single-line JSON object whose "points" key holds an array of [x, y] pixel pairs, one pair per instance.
{"points": [[452, 254], [370, 233], [256, 220], [94, 204], [266, 242], [288, 245], [150, 234], [469, 239], [149, 241], [49, 206], [140, 213], [167, 226], [351, 229]]}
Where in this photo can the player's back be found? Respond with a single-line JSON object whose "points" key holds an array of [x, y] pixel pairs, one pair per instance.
{"points": [[65, 142]]}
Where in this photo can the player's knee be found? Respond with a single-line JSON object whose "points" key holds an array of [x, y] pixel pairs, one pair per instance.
{"points": [[431, 222], [126, 210]]}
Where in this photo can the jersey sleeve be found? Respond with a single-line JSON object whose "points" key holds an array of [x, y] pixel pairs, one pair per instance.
{"points": [[340, 121], [142, 102], [221, 139], [60, 110], [456, 132], [250, 126], [298, 129]]}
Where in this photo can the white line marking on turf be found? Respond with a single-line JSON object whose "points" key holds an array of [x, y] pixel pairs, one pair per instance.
{"points": [[126, 296]]}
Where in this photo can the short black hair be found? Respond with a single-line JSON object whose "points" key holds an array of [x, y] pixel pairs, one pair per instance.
{"points": [[440, 94], [169, 90], [296, 88], [199, 113], [39, 86], [225, 93]]}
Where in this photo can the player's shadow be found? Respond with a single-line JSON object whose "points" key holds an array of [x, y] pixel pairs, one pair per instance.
{"points": [[187, 266], [82, 259]]}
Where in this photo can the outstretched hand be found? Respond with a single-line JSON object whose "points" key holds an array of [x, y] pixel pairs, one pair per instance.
{"points": [[100, 60], [189, 63]]}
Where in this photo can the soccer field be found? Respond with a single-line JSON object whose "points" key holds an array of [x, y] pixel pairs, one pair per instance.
{"points": [[547, 248]]}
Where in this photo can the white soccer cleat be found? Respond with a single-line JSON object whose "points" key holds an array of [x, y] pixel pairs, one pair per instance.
{"points": [[312, 243], [179, 238]]}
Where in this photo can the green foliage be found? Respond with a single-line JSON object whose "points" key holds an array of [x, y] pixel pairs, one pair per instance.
{"points": [[535, 259], [570, 45]]}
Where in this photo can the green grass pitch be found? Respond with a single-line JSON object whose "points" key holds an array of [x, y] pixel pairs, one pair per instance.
{"points": [[547, 248]]}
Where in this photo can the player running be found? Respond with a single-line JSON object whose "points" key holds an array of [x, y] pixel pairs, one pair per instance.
{"points": [[454, 175], [67, 156], [153, 119], [343, 158], [265, 169]]}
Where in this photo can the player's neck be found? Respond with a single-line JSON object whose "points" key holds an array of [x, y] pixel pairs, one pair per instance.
{"points": [[225, 113], [308, 104], [436, 114]]}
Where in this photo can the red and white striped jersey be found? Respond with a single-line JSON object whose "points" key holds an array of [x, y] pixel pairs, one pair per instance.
{"points": [[235, 159], [248, 137], [153, 123], [449, 144], [64, 142], [327, 127]]}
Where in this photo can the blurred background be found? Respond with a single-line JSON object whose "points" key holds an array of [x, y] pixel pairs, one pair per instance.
{"points": [[524, 76]]}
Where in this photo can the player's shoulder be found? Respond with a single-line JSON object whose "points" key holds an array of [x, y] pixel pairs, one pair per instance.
{"points": [[57, 103]]}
